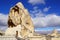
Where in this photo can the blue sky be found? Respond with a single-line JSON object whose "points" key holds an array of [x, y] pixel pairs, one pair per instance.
{"points": [[54, 4], [45, 14]]}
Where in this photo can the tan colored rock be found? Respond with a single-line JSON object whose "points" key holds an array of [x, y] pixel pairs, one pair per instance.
{"points": [[20, 16], [54, 33]]}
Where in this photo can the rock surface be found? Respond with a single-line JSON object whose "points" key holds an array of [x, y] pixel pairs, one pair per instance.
{"points": [[20, 16]]}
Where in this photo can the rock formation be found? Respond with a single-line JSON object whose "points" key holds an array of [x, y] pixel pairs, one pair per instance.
{"points": [[54, 33], [19, 16]]}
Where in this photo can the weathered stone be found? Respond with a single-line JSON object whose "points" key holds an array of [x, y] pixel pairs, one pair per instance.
{"points": [[20, 16], [54, 33]]}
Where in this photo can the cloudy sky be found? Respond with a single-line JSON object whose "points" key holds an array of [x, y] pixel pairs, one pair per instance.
{"points": [[45, 14]]}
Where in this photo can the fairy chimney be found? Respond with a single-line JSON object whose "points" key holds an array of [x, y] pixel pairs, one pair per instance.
{"points": [[18, 15]]}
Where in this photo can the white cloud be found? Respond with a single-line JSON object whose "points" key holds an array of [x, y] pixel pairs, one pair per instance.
{"points": [[46, 9], [42, 20], [47, 21], [58, 29], [36, 2], [3, 21], [3, 28], [36, 12]]}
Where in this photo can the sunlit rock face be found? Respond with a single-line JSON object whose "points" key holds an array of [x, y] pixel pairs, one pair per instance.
{"points": [[19, 20], [12, 31], [54, 33]]}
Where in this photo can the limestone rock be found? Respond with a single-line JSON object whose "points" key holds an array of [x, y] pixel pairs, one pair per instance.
{"points": [[20, 16], [54, 33], [12, 31]]}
